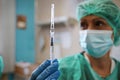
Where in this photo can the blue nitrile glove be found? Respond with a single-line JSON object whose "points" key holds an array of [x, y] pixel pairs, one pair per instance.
{"points": [[46, 71]]}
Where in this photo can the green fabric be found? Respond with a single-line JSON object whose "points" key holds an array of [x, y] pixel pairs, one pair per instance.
{"points": [[77, 68], [105, 9], [1, 65]]}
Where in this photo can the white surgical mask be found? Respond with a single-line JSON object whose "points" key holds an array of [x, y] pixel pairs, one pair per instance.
{"points": [[96, 42]]}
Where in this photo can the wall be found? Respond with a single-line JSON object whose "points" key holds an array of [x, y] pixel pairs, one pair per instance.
{"points": [[25, 39], [66, 8], [62, 8], [62, 32], [7, 34], [116, 50]]}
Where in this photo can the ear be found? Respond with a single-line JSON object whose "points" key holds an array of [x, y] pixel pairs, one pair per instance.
{"points": [[112, 36]]}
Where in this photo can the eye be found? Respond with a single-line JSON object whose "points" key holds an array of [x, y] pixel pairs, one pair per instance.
{"points": [[99, 23], [83, 25]]}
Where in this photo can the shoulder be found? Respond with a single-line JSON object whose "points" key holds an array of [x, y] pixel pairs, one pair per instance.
{"points": [[70, 59], [118, 66], [71, 62], [68, 67]]}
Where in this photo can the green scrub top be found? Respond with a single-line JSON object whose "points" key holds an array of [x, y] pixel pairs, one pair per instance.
{"points": [[1, 65], [78, 68]]}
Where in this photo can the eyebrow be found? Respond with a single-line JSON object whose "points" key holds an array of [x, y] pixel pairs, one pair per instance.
{"points": [[93, 19], [99, 18]]}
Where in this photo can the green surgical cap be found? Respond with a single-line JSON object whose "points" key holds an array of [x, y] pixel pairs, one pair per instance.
{"points": [[105, 9]]}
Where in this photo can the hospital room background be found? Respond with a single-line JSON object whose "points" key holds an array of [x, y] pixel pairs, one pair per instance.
{"points": [[25, 34]]}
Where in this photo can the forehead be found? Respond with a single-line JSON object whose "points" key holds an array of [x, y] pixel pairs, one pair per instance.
{"points": [[92, 17]]}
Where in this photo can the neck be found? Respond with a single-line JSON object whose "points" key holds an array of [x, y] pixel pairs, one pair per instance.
{"points": [[101, 65]]}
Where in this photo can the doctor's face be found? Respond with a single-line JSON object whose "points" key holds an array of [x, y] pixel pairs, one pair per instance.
{"points": [[93, 22]]}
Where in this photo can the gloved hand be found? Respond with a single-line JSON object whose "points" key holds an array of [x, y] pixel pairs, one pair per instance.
{"points": [[46, 71]]}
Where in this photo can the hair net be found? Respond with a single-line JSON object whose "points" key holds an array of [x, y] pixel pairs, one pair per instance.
{"points": [[105, 9]]}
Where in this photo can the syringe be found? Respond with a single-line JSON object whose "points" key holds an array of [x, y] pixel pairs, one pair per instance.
{"points": [[52, 34]]}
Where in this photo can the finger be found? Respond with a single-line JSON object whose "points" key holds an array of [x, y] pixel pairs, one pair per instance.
{"points": [[54, 76], [40, 69], [48, 71], [55, 60]]}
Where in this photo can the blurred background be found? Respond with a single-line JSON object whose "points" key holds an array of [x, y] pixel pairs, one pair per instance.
{"points": [[25, 34]]}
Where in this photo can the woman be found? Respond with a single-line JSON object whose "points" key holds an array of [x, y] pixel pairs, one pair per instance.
{"points": [[100, 30]]}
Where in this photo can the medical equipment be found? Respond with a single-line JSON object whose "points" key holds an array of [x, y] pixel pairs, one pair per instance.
{"points": [[52, 34], [96, 42]]}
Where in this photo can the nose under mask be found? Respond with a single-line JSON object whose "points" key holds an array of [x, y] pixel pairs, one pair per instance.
{"points": [[96, 42]]}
